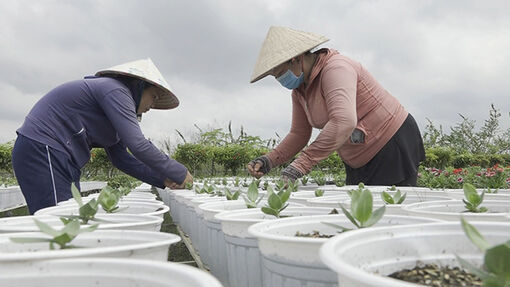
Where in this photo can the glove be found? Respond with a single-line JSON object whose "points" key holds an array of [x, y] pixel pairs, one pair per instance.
{"points": [[291, 173], [264, 162]]}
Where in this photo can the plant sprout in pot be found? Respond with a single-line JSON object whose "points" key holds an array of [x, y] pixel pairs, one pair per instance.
{"points": [[361, 214]]}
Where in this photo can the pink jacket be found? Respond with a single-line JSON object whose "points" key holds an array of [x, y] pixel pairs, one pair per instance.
{"points": [[340, 96]]}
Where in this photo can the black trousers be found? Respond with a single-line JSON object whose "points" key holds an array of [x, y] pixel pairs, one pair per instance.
{"points": [[396, 163]]}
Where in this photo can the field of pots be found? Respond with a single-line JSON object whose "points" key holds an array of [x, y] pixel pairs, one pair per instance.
{"points": [[304, 237], [272, 234]]}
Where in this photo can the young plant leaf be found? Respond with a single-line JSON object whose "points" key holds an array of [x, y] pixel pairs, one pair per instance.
{"points": [[473, 269], [270, 211], [473, 234], [386, 197], [376, 216], [29, 239], [349, 216], [402, 198], [253, 192], [336, 226], [361, 208], [76, 194], [45, 228], [319, 193], [284, 195], [497, 260], [274, 201]]}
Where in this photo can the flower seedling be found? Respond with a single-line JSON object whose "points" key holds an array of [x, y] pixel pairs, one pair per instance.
{"points": [[304, 180], [109, 199], [319, 192], [276, 202], [397, 198], [230, 195], [252, 197], [473, 199], [86, 211], [496, 267], [188, 185], [292, 186], [280, 185], [319, 178], [60, 237], [361, 214]]}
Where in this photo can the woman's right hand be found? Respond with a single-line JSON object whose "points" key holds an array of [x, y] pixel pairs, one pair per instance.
{"points": [[259, 166]]}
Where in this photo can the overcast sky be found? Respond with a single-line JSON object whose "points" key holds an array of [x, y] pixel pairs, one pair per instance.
{"points": [[439, 58]]}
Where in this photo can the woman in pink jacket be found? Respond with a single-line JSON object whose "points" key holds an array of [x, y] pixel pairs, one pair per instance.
{"points": [[377, 139]]}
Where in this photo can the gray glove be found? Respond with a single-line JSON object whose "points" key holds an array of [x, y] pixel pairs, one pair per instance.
{"points": [[265, 163], [291, 173]]}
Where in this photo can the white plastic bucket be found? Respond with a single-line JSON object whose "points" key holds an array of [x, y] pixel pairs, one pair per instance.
{"points": [[452, 210], [105, 272], [100, 243], [115, 221], [289, 260], [365, 257]]}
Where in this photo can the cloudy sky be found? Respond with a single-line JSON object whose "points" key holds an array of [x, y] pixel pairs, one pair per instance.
{"points": [[439, 58]]}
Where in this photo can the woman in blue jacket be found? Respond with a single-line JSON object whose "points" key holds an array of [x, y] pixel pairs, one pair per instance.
{"points": [[55, 140]]}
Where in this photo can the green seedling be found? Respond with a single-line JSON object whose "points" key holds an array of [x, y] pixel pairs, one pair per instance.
{"points": [[86, 212], [109, 199], [304, 180], [398, 198], [276, 202], [236, 182], [230, 195], [339, 180], [206, 188], [188, 185], [224, 181], [495, 271], [245, 183], [252, 197], [320, 180], [319, 192], [361, 214], [60, 237], [473, 199], [265, 185], [292, 186], [280, 185]]}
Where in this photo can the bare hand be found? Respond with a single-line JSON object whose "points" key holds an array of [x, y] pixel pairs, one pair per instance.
{"points": [[254, 169], [173, 185]]}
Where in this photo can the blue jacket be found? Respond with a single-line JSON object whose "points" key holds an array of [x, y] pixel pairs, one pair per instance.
{"points": [[99, 112]]}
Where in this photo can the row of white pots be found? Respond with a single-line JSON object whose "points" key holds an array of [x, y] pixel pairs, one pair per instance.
{"points": [[11, 197], [132, 233], [219, 231]]}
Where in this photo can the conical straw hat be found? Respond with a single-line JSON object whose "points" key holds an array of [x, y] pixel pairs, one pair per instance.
{"points": [[282, 44], [146, 70]]}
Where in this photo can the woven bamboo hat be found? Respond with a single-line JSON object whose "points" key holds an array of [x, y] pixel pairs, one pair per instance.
{"points": [[282, 44], [146, 70]]}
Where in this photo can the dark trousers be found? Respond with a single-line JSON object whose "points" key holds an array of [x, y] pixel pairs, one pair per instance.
{"points": [[396, 163], [44, 174]]}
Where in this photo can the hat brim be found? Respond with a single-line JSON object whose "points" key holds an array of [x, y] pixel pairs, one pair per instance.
{"points": [[269, 69], [167, 99]]}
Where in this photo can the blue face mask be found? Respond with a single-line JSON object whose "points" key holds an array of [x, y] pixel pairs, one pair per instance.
{"points": [[289, 80]]}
